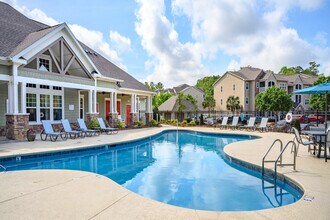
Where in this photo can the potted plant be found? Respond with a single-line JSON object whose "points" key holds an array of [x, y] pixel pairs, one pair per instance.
{"points": [[30, 134]]}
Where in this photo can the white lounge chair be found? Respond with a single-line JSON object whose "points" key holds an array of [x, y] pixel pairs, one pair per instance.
{"points": [[71, 133], [234, 123], [263, 125], [251, 124], [224, 122], [107, 130], [48, 131]]}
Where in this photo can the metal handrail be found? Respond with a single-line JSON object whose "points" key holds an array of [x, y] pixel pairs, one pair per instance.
{"points": [[280, 158], [268, 161], [4, 168]]}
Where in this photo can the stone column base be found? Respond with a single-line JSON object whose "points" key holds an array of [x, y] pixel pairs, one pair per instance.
{"points": [[113, 120], [16, 126], [133, 118], [149, 117], [91, 116]]}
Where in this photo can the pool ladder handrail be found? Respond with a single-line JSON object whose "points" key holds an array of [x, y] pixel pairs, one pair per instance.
{"points": [[270, 161], [4, 168], [279, 158], [294, 146]]}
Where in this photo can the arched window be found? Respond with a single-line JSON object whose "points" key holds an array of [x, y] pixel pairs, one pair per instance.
{"points": [[271, 83]]}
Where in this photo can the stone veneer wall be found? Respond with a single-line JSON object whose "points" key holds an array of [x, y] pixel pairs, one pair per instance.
{"points": [[149, 117], [91, 116], [113, 120], [133, 118], [16, 126]]}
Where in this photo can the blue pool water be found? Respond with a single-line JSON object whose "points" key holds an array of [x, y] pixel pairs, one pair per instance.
{"points": [[186, 169]]}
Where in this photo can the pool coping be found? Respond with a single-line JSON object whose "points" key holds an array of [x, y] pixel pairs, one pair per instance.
{"points": [[226, 153]]}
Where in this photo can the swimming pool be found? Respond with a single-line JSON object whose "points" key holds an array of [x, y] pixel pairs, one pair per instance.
{"points": [[181, 168]]}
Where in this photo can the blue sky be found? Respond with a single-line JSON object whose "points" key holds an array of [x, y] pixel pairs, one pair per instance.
{"points": [[180, 41]]}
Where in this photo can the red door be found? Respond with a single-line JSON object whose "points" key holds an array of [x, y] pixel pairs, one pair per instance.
{"points": [[107, 109], [118, 107], [128, 114]]}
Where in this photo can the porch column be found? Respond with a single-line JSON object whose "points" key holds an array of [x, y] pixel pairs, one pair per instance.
{"points": [[10, 98], [94, 101], [113, 116], [111, 102], [23, 97], [149, 115], [90, 101], [133, 114]]}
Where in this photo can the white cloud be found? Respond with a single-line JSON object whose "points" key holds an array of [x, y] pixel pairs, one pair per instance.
{"points": [[91, 38], [122, 43], [171, 62]]}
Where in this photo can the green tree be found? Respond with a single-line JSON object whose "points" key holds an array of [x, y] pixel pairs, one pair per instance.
{"points": [[317, 101], [206, 84], [274, 99], [155, 87], [159, 99], [311, 70], [193, 101], [233, 103], [209, 103], [181, 106]]}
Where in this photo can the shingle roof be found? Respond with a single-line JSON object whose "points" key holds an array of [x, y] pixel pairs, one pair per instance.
{"points": [[17, 32], [15, 27], [172, 104], [109, 69], [181, 87], [247, 73]]}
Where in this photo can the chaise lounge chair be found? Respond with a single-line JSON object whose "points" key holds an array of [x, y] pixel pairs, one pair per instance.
{"points": [[48, 131], [263, 125], [107, 130], [88, 132], [224, 122], [251, 124], [71, 133], [234, 123]]}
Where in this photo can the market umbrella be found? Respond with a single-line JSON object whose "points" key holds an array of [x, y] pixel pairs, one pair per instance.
{"points": [[318, 89]]}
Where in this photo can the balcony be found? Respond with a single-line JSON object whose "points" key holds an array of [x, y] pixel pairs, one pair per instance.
{"points": [[261, 89]]}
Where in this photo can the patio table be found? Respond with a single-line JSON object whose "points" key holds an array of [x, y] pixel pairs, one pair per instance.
{"points": [[319, 134]]}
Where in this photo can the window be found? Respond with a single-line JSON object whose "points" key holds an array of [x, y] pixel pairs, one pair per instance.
{"points": [[257, 84], [44, 87], [31, 106], [57, 107], [81, 106], [262, 84], [44, 107], [246, 86], [221, 101], [221, 89], [271, 83], [246, 100], [306, 101], [31, 85], [298, 86], [298, 98], [44, 103], [44, 64], [234, 87], [283, 86], [58, 88]]}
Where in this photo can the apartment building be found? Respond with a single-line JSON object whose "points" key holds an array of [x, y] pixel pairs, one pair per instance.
{"points": [[247, 82]]}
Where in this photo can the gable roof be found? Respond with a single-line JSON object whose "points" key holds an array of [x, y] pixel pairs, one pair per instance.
{"points": [[171, 105], [15, 27], [18, 32]]}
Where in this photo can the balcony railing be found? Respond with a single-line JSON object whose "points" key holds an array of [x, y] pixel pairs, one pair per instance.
{"points": [[261, 89]]}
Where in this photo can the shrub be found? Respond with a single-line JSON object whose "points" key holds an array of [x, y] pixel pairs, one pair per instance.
{"points": [[184, 123], [94, 124], [139, 123], [161, 121], [296, 124], [121, 124], [154, 123], [187, 120], [192, 123], [201, 119]]}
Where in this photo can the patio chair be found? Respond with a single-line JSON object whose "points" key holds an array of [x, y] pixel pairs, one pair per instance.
{"points": [[71, 133], [107, 130], [88, 132], [263, 125], [224, 122], [251, 124], [48, 131], [234, 123], [299, 140]]}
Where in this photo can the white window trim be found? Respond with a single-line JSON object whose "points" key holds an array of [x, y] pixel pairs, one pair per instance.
{"points": [[83, 107], [247, 100], [247, 86], [46, 57], [50, 92]]}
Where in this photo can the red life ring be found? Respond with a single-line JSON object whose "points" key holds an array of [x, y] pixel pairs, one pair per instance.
{"points": [[288, 117]]}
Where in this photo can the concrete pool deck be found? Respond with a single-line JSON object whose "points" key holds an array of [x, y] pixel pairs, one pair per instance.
{"points": [[64, 194]]}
